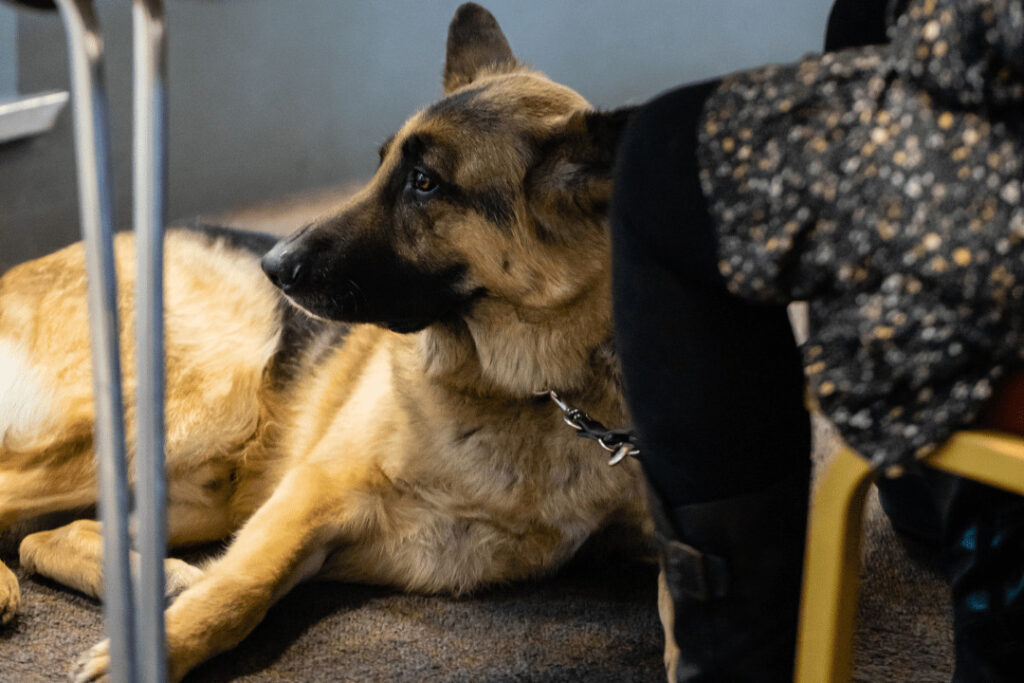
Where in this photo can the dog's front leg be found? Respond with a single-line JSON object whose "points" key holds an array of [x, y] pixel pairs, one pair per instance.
{"points": [[10, 594], [284, 542]]}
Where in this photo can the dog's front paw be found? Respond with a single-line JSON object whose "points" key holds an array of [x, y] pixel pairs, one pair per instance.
{"points": [[180, 576], [94, 665], [10, 595]]}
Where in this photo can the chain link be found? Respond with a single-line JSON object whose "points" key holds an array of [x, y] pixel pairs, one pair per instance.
{"points": [[619, 442]]}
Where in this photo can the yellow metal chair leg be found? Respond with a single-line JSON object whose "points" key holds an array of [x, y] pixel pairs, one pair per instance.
{"points": [[828, 605], [832, 564], [991, 458]]}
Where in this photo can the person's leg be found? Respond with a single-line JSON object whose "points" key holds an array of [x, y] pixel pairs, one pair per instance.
{"points": [[983, 551], [712, 380], [715, 388], [856, 23]]}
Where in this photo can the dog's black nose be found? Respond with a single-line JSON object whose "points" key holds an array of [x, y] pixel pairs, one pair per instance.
{"points": [[283, 266]]}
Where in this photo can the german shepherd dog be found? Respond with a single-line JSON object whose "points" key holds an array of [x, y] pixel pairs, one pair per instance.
{"points": [[369, 412]]}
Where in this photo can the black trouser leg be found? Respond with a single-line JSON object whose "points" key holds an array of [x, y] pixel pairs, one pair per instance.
{"points": [[715, 383], [715, 387]]}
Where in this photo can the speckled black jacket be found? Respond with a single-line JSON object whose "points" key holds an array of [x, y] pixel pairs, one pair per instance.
{"points": [[883, 185]]}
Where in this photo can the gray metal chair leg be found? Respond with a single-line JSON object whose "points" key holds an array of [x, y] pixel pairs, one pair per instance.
{"points": [[150, 164], [95, 197], [137, 645]]}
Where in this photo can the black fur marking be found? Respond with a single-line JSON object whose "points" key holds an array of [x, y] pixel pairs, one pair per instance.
{"points": [[454, 103], [464, 111], [384, 149], [492, 203], [257, 243], [300, 333], [466, 434], [360, 278], [544, 234], [426, 151], [414, 146], [601, 206], [479, 120]]}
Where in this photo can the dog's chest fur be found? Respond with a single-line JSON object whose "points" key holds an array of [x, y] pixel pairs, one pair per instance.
{"points": [[458, 488]]}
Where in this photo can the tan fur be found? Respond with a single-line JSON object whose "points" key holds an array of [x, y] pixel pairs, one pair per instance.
{"points": [[421, 461], [219, 340]]}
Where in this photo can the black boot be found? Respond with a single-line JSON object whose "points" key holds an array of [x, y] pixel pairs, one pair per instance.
{"points": [[733, 569], [983, 549]]}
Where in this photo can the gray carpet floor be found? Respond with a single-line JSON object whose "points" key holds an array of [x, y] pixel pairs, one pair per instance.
{"points": [[588, 623], [596, 620]]}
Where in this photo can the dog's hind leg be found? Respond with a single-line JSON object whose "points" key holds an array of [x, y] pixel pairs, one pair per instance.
{"points": [[73, 556], [198, 512], [10, 594], [32, 485], [28, 494]]}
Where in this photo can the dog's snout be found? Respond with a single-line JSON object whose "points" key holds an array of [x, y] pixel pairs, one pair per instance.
{"points": [[283, 265]]}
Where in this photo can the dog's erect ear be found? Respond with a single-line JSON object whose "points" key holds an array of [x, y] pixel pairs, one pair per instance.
{"points": [[592, 137], [573, 174], [475, 44]]}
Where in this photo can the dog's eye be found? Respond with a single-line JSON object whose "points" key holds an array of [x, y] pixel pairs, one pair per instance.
{"points": [[422, 183]]}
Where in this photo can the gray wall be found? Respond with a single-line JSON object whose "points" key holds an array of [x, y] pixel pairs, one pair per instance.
{"points": [[8, 52], [269, 97]]}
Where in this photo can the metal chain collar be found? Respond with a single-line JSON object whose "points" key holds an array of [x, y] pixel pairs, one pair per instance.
{"points": [[619, 442]]}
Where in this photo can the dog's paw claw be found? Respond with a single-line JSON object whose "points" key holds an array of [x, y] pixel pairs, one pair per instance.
{"points": [[94, 665], [10, 595]]}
